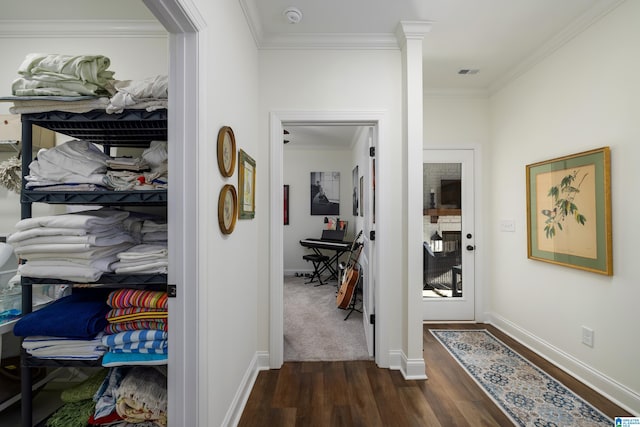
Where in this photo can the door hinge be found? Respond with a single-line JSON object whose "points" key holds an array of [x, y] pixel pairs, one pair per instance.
{"points": [[372, 235], [372, 319], [372, 151], [172, 291]]}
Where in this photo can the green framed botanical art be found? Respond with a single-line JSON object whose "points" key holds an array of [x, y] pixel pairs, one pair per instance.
{"points": [[569, 211], [247, 186]]}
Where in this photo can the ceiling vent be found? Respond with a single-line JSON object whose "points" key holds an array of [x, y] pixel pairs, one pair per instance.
{"points": [[466, 71]]}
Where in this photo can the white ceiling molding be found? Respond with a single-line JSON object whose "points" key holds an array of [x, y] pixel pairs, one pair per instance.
{"points": [[253, 20], [456, 93], [329, 41], [81, 28], [591, 16]]}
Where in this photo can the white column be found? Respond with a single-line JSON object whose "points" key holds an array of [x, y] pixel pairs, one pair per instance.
{"points": [[410, 36]]}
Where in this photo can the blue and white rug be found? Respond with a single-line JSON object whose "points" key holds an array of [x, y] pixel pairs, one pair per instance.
{"points": [[528, 396]]}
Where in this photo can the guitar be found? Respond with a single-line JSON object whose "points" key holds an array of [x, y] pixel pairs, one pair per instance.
{"points": [[351, 276]]}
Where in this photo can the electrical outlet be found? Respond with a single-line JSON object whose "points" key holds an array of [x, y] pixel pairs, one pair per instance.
{"points": [[587, 336]]}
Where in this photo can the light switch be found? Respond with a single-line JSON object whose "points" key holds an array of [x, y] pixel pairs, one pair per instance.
{"points": [[507, 225]]}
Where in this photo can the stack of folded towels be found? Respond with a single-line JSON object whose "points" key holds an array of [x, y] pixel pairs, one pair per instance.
{"points": [[63, 75], [72, 166], [78, 246], [69, 328], [137, 328], [146, 258], [79, 165]]}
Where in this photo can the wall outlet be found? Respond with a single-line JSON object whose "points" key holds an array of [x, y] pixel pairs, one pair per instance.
{"points": [[587, 336]]}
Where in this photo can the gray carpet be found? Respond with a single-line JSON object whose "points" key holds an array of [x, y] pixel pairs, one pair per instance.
{"points": [[315, 329]]}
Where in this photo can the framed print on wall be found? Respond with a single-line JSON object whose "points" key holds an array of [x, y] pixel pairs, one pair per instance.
{"points": [[227, 209], [325, 193], [226, 151], [247, 186], [286, 204], [569, 211]]}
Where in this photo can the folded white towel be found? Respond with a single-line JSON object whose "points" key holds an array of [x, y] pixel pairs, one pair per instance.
{"points": [[84, 219]]}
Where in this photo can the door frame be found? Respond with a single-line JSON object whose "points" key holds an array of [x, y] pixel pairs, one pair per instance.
{"points": [[183, 22], [379, 121], [480, 227]]}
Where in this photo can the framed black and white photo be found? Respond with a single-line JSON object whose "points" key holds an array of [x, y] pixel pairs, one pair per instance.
{"points": [[355, 195], [325, 193]]}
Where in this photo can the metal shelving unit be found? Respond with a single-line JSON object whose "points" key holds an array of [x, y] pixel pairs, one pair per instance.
{"points": [[131, 128]]}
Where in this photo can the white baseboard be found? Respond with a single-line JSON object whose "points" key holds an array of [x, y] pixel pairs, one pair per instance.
{"points": [[608, 387], [411, 369], [260, 362]]}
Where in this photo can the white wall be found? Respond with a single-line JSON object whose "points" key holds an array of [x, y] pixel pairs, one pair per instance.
{"points": [[583, 96], [228, 274], [299, 163], [321, 80]]}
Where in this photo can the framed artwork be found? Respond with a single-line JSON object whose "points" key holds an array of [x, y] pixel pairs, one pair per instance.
{"points": [[285, 214], [356, 199], [247, 186], [226, 151], [325, 193], [227, 209], [569, 211], [362, 196]]}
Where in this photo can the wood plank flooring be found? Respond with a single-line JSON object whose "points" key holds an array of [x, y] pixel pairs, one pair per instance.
{"points": [[357, 393]]}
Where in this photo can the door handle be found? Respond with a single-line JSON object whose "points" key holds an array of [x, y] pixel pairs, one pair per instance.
{"points": [[470, 247]]}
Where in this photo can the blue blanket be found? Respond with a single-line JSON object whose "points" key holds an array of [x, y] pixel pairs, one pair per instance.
{"points": [[80, 315]]}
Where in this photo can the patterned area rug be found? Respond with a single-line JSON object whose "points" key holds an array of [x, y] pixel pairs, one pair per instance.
{"points": [[528, 396]]}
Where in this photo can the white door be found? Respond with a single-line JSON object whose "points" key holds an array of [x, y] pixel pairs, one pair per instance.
{"points": [[448, 235], [367, 256]]}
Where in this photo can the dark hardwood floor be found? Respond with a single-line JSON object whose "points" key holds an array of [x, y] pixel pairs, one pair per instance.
{"points": [[357, 393]]}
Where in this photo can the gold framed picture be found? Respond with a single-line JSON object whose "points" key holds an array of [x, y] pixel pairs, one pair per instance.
{"points": [[226, 151], [227, 208], [247, 186], [569, 211]]}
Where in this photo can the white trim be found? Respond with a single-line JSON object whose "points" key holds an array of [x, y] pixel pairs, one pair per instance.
{"points": [[384, 213], [183, 22], [591, 16], [259, 362], [616, 392], [372, 41], [70, 28], [413, 369]]}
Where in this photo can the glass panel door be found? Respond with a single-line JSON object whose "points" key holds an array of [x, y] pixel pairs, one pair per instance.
{"points": [[448, 285]]}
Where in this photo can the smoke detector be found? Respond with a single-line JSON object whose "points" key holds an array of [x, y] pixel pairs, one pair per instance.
{"points": [[293, 15]]}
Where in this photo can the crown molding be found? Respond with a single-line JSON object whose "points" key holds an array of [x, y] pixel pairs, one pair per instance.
{"points": [[586, 20], [253, 20], [81, 28], [371, 41], [456, 93]]}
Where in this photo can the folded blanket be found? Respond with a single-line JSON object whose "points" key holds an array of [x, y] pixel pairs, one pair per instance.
{"points": [[127, 359], [136, 325], [144, 251], [85, 220], [105, 395], [159, 267], [78, 105], [152, 91], [52, 231], [66, 75], [142, 396], [116, 237], [124, 298], [111, 340], [144, 347], [75, 414], [116, 315], [77, 156], [78, 315], [75, 273]]}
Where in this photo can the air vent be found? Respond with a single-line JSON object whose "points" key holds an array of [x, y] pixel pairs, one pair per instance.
{"points": [[469, 71]]}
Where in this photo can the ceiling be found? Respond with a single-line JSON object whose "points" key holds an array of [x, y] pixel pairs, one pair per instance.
{"points": [[499, 38]]}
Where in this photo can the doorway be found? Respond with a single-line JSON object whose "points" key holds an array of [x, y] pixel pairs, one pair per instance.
{"points": [[448, 235], [374, 120]]}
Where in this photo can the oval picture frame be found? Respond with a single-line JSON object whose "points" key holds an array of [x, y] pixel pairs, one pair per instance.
{"points": [[226, 151], [227, 208]]}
